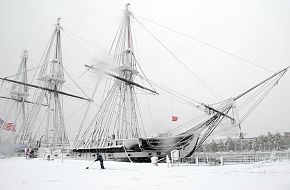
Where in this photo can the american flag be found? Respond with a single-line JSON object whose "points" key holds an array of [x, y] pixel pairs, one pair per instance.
{"points": [[7, 126], [174, 118]]}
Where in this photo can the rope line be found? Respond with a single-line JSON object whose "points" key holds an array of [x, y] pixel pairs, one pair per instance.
{"points": [[207, 44], [197, 77]]}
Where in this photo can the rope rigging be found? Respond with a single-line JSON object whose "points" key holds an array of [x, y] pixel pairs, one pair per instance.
{"points": [[20, 73], [271, 85], [118, 112], [118, 48], [197, 77], [206, 44], [82, 39], [120, 39]]}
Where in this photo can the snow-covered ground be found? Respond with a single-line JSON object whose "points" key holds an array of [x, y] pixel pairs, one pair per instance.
{"points": [[18, 173]]}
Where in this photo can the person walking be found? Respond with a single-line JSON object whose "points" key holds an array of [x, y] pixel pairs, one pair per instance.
{"points": [[168, 162], [100, 158], [26, 152]]}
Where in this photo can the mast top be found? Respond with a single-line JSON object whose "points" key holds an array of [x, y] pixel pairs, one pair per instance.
{"points": [[58, 26], [127, 6], [58, 20], [127, 9], [25, 54]]}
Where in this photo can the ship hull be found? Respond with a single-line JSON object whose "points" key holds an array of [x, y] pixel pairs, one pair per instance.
{"points": [[139, 149]]}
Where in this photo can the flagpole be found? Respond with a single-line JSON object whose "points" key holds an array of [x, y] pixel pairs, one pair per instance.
{"points": [[172, 127]]}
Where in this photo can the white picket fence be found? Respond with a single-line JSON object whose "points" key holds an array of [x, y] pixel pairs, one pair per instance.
{"points": [[235, 158]]}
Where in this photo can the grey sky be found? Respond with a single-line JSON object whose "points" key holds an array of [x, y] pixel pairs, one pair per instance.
{"points": [[256, 30]]}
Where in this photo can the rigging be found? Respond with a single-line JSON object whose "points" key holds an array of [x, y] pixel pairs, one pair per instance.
{"points": [[206, 44]]}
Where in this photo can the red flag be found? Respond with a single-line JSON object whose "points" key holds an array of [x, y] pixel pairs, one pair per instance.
{"points": [[174, 118], [9, 127]]}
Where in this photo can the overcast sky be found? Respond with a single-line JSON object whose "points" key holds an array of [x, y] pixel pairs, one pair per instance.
{"points": [[255, 30]]}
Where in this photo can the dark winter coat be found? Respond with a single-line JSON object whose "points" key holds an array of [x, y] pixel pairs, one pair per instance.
{"points": [[99, 158]]}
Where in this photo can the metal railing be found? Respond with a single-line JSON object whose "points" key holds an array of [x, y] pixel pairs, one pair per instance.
{"points": [[235, 158]]}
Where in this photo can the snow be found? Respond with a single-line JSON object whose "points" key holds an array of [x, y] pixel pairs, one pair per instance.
{"points": [[18, 173]]}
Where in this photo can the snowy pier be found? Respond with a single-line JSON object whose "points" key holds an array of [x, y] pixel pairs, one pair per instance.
{"points": [[18, 173]]}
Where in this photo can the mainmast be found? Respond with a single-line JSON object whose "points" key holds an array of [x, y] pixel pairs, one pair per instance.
{"points": [[126, 69], [117, 116]]}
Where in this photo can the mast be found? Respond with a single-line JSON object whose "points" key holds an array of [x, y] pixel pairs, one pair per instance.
{"points": [[54, 79], [17, 112], [126, 69], [274, 78], [280, 74], [117, 117], [18, 91], [127, 123], [50, 82]]}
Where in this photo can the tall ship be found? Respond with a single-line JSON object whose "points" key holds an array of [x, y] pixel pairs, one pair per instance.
{"points": [[116, 130]]}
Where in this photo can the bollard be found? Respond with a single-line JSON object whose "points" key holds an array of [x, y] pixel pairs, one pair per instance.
{"points": [[154, 160], [222, 161]]}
